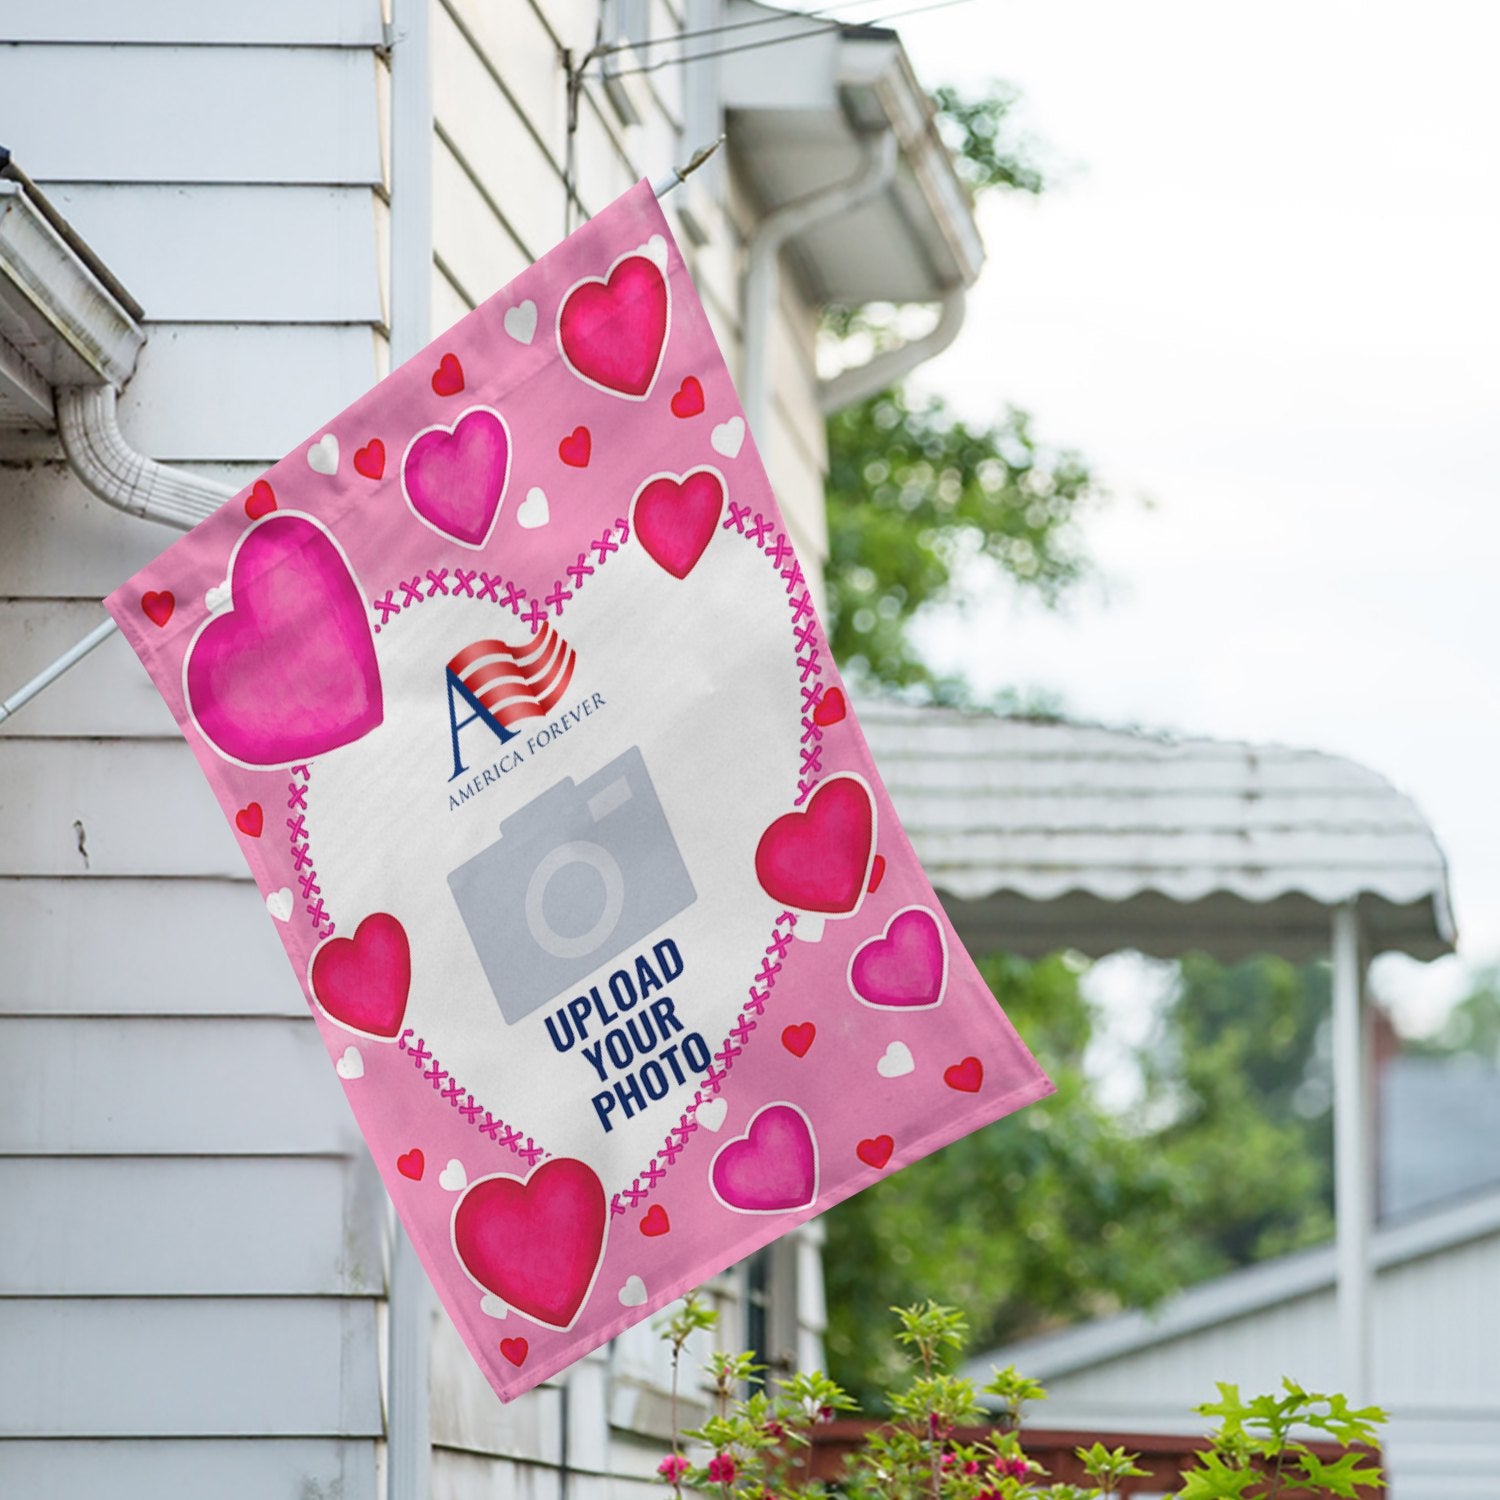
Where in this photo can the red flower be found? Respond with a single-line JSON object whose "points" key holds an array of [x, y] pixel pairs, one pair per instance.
{"points": [[673, 1467], [721, 1469]]}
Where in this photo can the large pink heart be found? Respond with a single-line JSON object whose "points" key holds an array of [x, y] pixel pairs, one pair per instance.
{"points": [[773, 1167], [675, 518], [454, 477], [907, 967], [818, 859], [535, 1244], [612, 332], [289, 672], [363, 982]]}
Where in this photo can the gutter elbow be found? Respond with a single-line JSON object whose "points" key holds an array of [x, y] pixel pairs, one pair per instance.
{"points": [[110, 468]]}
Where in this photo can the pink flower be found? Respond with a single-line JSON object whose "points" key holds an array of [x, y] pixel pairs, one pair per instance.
{"points": [[721, 1469], [972, 1467], [1014, 1468], [825, 1414], [947, 1461], [673, 1467], [774, 1429]]}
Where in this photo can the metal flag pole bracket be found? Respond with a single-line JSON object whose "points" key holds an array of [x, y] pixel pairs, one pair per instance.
{"points": [[23, 695]]}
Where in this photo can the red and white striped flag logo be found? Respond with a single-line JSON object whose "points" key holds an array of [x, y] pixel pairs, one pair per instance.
{"points": [[505, 684]]}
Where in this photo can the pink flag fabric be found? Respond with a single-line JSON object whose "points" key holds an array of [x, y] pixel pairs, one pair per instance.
{"points": [[511, 687]]}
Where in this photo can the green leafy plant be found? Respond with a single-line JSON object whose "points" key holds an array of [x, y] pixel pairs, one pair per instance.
{"points": [[946, 1439]]}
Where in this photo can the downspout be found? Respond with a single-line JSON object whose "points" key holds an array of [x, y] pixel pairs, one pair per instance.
{"points": [[763, 267], [884, 370]]}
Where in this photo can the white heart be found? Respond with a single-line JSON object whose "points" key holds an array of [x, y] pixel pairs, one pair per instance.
{"points": [[351, 1064], [453, 1177], [655, 249], [897, 1061], [279, 904], [492, 1307], [323, 456], [217, 597], [633, 1293], [533, 511], [728, 437], [520, 322], [711, 1113]]}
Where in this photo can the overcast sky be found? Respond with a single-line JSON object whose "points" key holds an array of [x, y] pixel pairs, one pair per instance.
{"points": [[1263, 293]]}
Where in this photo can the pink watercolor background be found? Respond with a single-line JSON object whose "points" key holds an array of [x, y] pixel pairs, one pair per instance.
{"points": [[835, 1082]]}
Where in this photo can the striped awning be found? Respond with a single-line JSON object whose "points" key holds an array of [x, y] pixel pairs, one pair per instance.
{"points": [[1043, 835]]}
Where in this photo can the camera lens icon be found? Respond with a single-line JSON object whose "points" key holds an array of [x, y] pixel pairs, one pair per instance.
{"points": [[577, 876], [563, 859]]}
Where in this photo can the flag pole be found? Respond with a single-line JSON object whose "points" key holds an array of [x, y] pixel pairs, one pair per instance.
{"points": [[102, 632]]}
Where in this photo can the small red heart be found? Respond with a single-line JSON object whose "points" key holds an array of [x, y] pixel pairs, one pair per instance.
{"points": [[688, 402], [448, 380], [250, 820], [876, 1152], [370, 460], [965, 1076], [797, 1039], [261, 500], [412, 1165], [655, 1222], [877, 873], [158, 607], [515, 1350], [574, 450], [831, 708]]}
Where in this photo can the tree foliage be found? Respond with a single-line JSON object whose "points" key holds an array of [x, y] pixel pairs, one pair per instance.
{"points": [[1068, 1211]]}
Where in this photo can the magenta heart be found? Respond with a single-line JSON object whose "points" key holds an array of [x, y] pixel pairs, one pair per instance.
{"points": [[454, 477], [675, 518], [289, 671], [535, 1244], [907, 967], [817, 859], [363, 982], [773, 1167], [612, 332]]}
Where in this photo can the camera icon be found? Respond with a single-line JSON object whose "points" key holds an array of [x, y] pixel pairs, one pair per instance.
{"points": [[577, 875]]}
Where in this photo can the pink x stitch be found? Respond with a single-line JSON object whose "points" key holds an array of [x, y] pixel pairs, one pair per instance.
{"points": [[760, 530], [805, 633], [811, 696], [800, 607], [556, 597], [463, 581], [413, 592], [812, 760], [738, 515], [297, 797], [437, 582], [309, 884], [579, 570], [623, 527], [386, 606], [298, 825], [793, 576], [513, 597], [782, 551], [780, 942], [487, 587], [810, 665], [604, 546], [811, 730], [301, 857], [318, 912], [534, 616]]}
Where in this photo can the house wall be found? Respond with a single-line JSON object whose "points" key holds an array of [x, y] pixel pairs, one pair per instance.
{"points": [[195, 1249]]}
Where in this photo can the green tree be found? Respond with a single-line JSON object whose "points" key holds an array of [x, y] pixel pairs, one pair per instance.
{"points": [[1068, 1211]]}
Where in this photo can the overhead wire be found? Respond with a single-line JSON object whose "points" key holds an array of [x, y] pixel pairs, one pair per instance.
{"points": [[817, 13], [776, 41]]}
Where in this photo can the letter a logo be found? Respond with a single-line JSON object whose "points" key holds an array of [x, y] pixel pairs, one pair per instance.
{"points": [[501, 685]]}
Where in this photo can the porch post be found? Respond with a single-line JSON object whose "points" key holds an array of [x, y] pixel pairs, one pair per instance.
{"points": [[1352, 1157]]}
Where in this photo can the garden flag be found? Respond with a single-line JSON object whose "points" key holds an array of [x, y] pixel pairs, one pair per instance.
{"points": [[510, 685]]}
